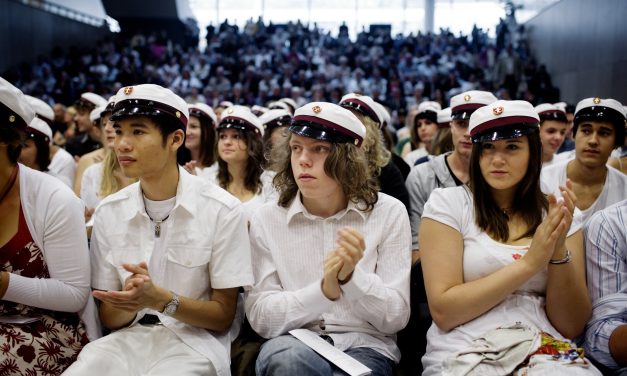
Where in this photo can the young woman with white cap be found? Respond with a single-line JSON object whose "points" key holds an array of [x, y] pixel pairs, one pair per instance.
{"points": [[241, 160], [200, 139], [103, 178], [44, 259], [502, 261]]}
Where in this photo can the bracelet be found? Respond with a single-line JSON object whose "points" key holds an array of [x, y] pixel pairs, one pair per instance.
{"points": [[564, 260]]}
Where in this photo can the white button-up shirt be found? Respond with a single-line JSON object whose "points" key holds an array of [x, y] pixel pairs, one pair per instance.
{"points": [[205, 247], [289, 246]]}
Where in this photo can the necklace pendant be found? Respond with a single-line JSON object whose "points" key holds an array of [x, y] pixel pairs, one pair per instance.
{"points": [[157, 229]]}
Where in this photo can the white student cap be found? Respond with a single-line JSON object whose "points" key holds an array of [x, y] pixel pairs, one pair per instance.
{"points": [[444, 117], [225, 104], [90, 101], [275, 118], [363, 104], [384, 115], [39, 128], [464, 104], [150, 100], [201, 110], [503, 120], [548, 111], [96, 113], [240, 117], [290, 102], [41, 108], [328, 122], [278, 105], [428, 110], [258, 110], [14, 109], [599, 109]]}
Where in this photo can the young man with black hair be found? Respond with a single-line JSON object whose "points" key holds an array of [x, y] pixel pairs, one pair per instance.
{"points": [[168, 272]]}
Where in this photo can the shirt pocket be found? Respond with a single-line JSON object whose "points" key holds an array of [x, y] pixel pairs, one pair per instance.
{"points": [[187, 271], [119, 256]]}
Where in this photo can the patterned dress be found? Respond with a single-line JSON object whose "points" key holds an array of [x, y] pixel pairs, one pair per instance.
{"points": [[48, 345]]}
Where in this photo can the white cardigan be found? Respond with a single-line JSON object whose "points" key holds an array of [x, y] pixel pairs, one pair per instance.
{"points": [[55, 219]]}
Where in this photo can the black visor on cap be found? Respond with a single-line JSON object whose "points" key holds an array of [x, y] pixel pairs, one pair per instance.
{"points": [[85, 104], [462, 115], [361, 108], [281, 121], [312, 130], [237, 123], [200, 114], [142, 107], [505, 132], [432, 116]]}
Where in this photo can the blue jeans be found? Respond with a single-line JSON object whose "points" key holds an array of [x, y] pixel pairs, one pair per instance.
{"points": [[287, 356]]}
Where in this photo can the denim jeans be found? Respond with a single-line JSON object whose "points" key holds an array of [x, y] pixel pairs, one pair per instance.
{"points": [[287, 356]]}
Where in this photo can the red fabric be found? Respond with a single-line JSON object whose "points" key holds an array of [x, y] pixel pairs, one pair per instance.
{"points": [[49, 345]]}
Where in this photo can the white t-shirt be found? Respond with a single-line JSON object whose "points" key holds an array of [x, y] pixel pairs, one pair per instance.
{"points": [[63, 167], [482, 256], [614, 189]]}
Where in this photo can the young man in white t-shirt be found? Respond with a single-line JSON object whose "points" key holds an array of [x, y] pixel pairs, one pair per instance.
{"points": [[599, 128], [333, 256], [168, 253]]}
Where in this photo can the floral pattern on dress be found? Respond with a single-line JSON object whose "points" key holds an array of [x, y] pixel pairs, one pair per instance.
{"points": [[48, 345]]}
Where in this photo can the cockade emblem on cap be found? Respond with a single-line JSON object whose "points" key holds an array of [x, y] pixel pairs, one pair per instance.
{"points": [[128, 90], [356, 141], [12, 118], [466, 97], [178, 114], [497, 110], [316, 109], [596, 100]]}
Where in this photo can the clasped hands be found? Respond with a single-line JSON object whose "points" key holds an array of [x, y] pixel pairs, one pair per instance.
{"points": [[340, 262], [549, 240], [138, 292]]}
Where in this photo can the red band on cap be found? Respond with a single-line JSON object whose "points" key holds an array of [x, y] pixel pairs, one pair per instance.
{"points": [[467, 106], [488, 125], [329, 124]]}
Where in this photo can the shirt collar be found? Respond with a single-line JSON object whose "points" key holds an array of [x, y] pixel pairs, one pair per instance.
{"points": [[297, 207], [184, 197]]}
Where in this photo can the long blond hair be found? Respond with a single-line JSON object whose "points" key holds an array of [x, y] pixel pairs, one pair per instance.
{"points": [[109, 183], [373, 145]]}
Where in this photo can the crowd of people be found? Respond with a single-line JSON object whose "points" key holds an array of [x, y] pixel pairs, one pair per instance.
{"points": [[418, 205]]}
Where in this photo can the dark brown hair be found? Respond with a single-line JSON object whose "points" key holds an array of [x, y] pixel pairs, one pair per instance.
{"points": [[346, 164], [14, 139], [207, 154], [254, 164], [529, 201]]}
